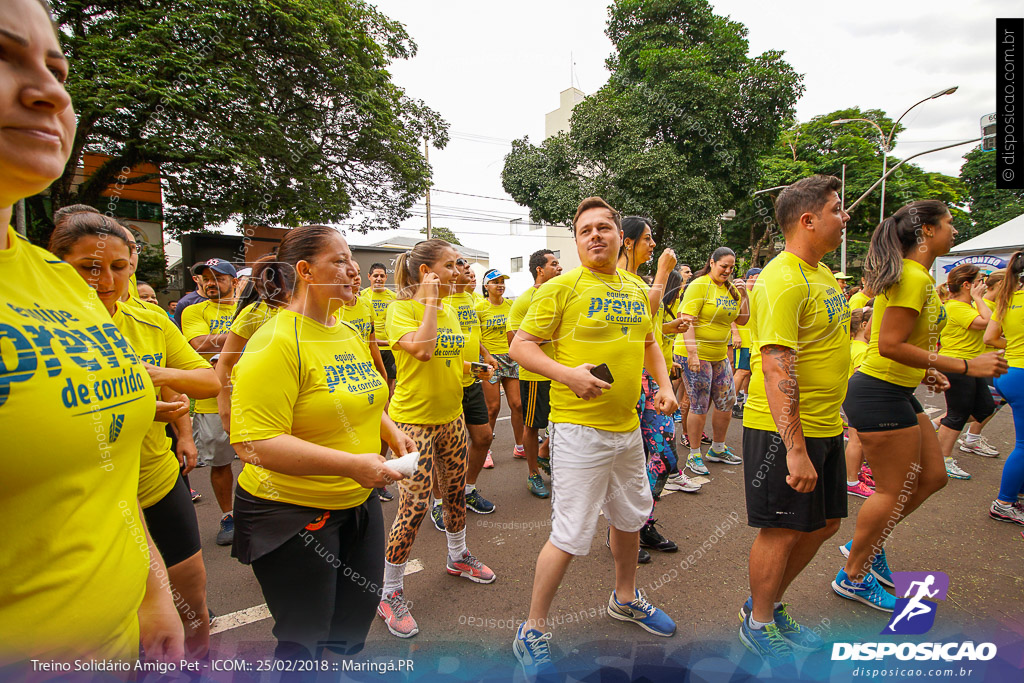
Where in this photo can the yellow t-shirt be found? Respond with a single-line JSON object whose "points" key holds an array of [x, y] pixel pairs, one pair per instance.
{"points": [[75, 405], [667, 341], [858, 351], [915, 290], [801, 307], [859, 300], [957, 340], [494, 324], [594, 318], [251, 318], [516, 315], [315, 383], [360, 316], [464, 307], [199, 320], [380, 302], [426, 392], [156, 341], [715, 309], [1013, 329]]}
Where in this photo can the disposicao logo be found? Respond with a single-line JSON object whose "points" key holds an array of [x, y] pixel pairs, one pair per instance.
{"points": [[914, 615]]}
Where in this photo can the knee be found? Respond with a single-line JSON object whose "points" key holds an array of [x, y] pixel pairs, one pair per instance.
{"points": [[929, 485], [831, 528]]}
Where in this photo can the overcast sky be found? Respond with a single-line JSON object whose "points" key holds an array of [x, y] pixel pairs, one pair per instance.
{"points": [[494, 70]]}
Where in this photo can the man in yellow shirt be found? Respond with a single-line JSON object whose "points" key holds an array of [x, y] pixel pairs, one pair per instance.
{"points": [[205, 326], [594, 314], [380, 297], [793, 456]]}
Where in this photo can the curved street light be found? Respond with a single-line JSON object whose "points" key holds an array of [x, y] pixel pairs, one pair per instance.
{"points": [[886, 140]]}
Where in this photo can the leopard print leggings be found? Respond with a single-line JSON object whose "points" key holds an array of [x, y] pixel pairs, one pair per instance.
{"points": [[445, 448]]}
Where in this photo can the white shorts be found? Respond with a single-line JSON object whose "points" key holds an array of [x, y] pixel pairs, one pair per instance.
{"points": [[211, 440], [593, 470]]}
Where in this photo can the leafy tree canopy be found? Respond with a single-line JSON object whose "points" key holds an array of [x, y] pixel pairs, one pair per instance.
{"points": [[989, 207], [263, 111], [442, 233], [674, 135]]}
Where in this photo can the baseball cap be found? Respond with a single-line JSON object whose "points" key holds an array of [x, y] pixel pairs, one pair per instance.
{"points": [[841, 276], [752, 272], [492, 275], [216, 265]]}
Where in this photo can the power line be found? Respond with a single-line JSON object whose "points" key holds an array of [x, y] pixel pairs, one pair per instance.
{"points": [[480, 196]]}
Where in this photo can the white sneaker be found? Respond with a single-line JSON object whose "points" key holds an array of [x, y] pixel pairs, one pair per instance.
{"points": [[681, 482], [1007, 513], [955, 471], [979, 447]]}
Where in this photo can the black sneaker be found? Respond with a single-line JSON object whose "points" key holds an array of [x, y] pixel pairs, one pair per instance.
{"points": [[737, 411], [705, 439], [650, 537], [478, 504], [643, 557], [438, 516], [226, 535], [384, 494]]}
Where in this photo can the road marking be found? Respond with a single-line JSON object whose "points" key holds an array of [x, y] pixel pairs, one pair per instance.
{"points": [[251, 615], [507, 417]]}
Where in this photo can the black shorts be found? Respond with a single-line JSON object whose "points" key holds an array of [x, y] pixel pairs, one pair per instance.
{"points": [[474, 406], [774, 504], [536, 402], [173, 526], [874, 405], [390, 368], [966, 397]]}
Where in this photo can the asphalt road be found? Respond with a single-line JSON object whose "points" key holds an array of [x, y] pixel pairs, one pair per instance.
{"points": [[466, 628]]}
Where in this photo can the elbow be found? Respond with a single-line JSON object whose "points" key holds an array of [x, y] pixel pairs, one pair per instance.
{"points": [[423, 355], [887, 349]]}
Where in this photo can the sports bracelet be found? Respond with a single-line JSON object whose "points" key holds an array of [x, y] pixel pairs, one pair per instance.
{"points": [[965, 366]]}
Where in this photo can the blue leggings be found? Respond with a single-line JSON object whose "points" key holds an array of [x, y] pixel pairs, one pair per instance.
{"points": [[1011, 386]]}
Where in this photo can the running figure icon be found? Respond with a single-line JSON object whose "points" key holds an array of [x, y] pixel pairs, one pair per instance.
{"points": [[915, 611], [915, 607]]}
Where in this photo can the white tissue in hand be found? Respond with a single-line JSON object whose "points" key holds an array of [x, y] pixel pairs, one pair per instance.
{"points": [[406, 464]]}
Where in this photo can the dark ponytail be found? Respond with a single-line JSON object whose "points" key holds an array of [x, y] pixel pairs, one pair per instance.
{"points": [[893, 238], [632, 229], [74, 224], [716, 256], [672, 287], [262, 285], [1011, 283], [277, 276], [407, 265]]}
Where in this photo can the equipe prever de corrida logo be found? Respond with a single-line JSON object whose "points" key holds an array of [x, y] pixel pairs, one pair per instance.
{"points": [[917, 593]]}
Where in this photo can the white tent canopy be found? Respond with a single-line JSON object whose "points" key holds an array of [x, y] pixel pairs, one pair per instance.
{"points": [[990, 250]]}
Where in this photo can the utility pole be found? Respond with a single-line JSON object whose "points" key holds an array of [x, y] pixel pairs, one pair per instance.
{"points": [[426, 154], [842, 203]]}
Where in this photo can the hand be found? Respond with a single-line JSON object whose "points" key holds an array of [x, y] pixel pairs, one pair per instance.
{"points": [[978, 289], [667, 260], [370, 470], [665, 401], [584, 384], [737, 341], [484, 375], [676, 369], [429, 287], [160, 376], [160, 630], [169, 411], [992, 364], [693, 363], [802, 476], [740, 284], [188, 454], [401, 443], [225, 414], [677, 326], [935, 381]]}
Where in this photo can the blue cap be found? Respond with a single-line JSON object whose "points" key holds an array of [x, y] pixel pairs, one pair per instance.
{"points": [[216, 265]]}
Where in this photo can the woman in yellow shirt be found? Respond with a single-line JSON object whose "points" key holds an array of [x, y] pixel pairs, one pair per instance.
{"points": [[973, 441], [858, 477], [493, 312], [84, 240], [77, 579], [967, 317], [307, 419], [898, 440], [1006, 331], [429, 346], [711, 302]]}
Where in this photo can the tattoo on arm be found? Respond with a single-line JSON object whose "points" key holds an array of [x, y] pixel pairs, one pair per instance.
{"points": [[785, 392]]}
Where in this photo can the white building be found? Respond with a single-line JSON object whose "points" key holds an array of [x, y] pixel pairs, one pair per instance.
{"points": [[557, 121]]}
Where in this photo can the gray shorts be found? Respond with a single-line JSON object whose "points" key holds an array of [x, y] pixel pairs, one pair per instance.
{"points": [[211, 440]]}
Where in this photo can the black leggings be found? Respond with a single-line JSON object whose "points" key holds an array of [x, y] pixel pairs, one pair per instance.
{"points": [[324, 584], [966, 397]]}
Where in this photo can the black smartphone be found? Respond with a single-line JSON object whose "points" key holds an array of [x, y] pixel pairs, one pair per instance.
{"points": [[602, 373]]}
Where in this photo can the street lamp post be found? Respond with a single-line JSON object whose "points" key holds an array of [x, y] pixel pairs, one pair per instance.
{"points": [[885, 141]]}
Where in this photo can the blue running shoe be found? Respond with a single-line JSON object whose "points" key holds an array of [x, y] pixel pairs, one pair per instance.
{"points": [[870, 592], [532, 651], [879, 565], [726, 456], [642, 613], [767, 643], [226, 535], [799, 637], [696, 464]]}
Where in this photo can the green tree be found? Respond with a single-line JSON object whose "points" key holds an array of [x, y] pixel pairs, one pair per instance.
{"points": [[817, 146], [989, 206], [441, 233], [257, 110], [675, 134]]}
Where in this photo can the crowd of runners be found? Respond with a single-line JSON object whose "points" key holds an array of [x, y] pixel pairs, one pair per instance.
{"points": [[337, 398]]}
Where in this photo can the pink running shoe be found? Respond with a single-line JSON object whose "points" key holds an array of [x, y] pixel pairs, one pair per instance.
{"points": [[865, 477], [471, 568], [519, 453], [860, 490], [395, 613], [488, 462]]}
